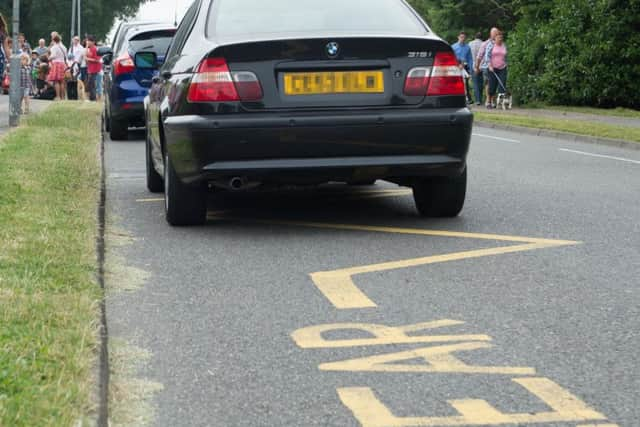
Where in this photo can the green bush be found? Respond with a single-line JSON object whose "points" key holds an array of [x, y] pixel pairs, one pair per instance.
{"points": [[582, 52]]}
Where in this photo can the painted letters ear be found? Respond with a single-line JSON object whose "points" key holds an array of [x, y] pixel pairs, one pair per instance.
{"points": [[434, 359], [566, 408]]}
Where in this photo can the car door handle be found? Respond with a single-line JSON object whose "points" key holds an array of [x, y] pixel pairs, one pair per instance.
{"points": [[166, 75], [146, 81]]}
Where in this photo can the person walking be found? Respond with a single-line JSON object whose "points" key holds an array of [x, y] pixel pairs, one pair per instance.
{"points": [[57, 66], [478, 81], [482, 63], [94, 65], [26, 85], [465, 60], [5, 52], [497, 58]]}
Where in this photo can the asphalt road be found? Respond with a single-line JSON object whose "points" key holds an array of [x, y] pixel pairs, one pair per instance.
{"points": [[531, 297]]}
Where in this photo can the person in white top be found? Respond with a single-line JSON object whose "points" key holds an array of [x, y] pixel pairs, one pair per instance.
{"points": [[77, 56]]}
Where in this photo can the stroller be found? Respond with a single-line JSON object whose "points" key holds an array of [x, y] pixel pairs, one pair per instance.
{"points": [[504, 99]]}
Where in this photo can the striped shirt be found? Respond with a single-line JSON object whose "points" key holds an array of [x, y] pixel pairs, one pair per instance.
{"points": [[25, 77]]}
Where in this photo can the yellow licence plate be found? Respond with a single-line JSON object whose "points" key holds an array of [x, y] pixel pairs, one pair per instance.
{"points": [[332, 82]]}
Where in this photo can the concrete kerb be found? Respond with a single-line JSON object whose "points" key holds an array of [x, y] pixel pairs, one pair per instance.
{"points": [[573, 137]]}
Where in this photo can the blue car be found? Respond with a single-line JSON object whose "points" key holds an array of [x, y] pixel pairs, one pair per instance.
{"points": [[126, 85]]}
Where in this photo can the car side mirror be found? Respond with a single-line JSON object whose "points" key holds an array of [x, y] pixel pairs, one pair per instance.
{"points": [[146, 60], [105, 50]]}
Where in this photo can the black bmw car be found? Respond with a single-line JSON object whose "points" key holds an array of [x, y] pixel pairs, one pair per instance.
{"points": [[256, 92]]}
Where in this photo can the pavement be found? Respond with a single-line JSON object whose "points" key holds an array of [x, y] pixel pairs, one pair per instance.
{"points": [[340, 306], [35, 105]]}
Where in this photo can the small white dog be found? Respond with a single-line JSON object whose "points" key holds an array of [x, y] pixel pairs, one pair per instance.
{"points": [[504, 101]]}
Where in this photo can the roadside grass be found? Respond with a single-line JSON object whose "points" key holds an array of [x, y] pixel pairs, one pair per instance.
{"points": [[49, 297], [614, 112], [580, 127]]}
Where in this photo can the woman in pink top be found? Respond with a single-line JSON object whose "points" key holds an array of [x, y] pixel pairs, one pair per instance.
{"points": [[497, 68], [57, 64]]}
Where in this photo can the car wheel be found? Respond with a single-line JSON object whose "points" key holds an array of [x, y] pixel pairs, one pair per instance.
{"points": [[118, 129], [155, 184], [440, 196], [184, 205]]}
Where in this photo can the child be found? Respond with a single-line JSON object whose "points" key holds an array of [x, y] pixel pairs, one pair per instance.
{"points": [[25, 81], [35, 67], [43, 71]]}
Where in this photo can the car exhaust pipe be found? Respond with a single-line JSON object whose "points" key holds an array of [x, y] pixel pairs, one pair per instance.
{"points": [[237, 183]]}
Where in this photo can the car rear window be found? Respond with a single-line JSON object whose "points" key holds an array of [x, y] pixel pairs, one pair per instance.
{"points": [[153, 41], [282, 17]]}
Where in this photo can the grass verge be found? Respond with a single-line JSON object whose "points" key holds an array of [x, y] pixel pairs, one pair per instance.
{"points": [[580, 127], [613, 112], [49, 297]]}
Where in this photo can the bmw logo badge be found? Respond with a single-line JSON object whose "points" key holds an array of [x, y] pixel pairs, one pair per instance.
{"points": [[332, 49]]}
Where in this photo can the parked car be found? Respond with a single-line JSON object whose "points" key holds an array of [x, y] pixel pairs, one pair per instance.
{"points": [[292, 92], [125, 85]]}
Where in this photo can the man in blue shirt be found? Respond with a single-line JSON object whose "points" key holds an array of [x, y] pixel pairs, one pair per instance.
{"points": [[465, 59]]}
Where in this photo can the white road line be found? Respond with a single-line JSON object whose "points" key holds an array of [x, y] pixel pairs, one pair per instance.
{"points": [[622, 159], [497, 137]]}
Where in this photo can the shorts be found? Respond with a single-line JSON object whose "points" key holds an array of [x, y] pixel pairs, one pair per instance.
{"points": [[99, 79]]}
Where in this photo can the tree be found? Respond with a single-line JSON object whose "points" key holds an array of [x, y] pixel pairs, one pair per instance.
{"points": [[39, 17], [448, 17]]}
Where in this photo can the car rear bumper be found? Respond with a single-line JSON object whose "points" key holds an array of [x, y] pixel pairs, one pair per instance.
{"points": [[131, 110], [305, 147]]}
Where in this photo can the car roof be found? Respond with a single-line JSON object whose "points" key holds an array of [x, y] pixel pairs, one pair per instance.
{"points": [[125, 26], [139, 29]]}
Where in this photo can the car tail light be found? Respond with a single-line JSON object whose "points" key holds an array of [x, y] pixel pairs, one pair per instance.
{"points": [[247, 85], [446, 76], [417, 81], [213, 82], [124, 64]]}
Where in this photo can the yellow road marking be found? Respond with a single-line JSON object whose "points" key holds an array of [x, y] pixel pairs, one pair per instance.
{"points": [[420, 232], [151, 199], [363, 194], [371, 412], [311, 336], [438, 359], [381, 193], [338, 286], [598, 425]]}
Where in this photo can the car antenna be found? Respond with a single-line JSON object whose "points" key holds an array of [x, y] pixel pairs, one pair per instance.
{"points": [[175, 15]]}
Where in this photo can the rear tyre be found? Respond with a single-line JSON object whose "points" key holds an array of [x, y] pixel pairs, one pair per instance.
{"points": [[155, 183], [118, 129], [440, 196], [184, 205]]}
